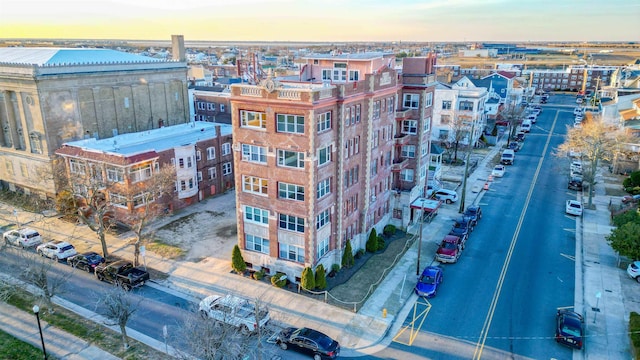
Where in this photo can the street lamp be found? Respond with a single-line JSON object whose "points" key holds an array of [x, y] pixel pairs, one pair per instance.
{"points": [[36, 310], [420, 238]]}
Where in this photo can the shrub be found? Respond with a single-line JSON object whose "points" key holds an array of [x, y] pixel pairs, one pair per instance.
{"points": [[237, 262], [335, 268], [359, 253], [380, 243], [632, 181], [307, 280], [321, 278], [389, 230], [279, 280], [372, 242], [347, 256], [258, 275], [634, 330]]}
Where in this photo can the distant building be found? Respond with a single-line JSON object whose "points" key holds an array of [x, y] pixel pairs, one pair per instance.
{"points": [[49, 96], [574, 78], [484, 53], [199, 152], [211, 103]]}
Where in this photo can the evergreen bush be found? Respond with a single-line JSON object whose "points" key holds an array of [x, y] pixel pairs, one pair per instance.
{"points": [[237, 262], [335, 268], [380, 243], [372, 242], [389, 230], [258, 275], [321, 278], [347, 257], [279, 280], [308, 281]]}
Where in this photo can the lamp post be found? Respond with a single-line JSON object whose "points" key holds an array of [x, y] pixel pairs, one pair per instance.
{"points": [[36, 310], [420, 238], [466, 169]]}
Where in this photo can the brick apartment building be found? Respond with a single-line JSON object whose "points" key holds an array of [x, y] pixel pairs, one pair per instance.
{"points": [[324, 160], [574, 78], [199, 152], [211, 103]]}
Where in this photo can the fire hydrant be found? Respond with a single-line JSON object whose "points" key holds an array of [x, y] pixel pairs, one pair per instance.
{"points": [[384, 313]]}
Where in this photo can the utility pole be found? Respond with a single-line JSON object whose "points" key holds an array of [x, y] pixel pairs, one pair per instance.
{"points": [[420, 238], [466, 169]]}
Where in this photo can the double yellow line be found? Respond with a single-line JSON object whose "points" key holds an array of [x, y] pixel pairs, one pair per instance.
{"points": [[477, 354]]}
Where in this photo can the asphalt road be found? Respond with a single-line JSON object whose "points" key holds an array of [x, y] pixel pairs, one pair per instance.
{"points": [[499, 300]]}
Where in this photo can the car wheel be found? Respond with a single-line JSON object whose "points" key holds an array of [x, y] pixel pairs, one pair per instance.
{"points": [[244, 330], [56, 258], [39, 252], [126, 287], [88, 268], [283, 345], [203, 314], [99, 277], [638, 279], [448, 201], [317, 357]]}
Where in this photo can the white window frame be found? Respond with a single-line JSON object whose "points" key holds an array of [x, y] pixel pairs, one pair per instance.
{"points": [[354, 75], [324, 122], [256, 215], [211, 153], [324, 155], [212, 173], [409, 151], [289, 191], [77, 166], [291, 124], [411, 101], [291, 159], [226, 149], [428, 100], [407, 175], [291, 223], [256, 243], [323, 247], [118, 200], [322, 219], [323, 188], [410, 127], [198, 155], [253, 153], [247, 119], [140, 173], [199, 177], [255, 185], [227, 169], [426, 124], [290, 250], [115, 174]]}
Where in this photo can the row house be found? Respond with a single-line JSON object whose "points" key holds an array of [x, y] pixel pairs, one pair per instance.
{"points": [[211, 104], [459, 107], [315, 160], [198, 152], [49, 96], [574, 78]]}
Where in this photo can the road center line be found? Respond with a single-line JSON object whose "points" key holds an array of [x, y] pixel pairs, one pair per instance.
{"points": [[496, 295]]}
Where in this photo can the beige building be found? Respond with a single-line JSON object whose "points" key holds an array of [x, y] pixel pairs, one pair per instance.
{"points": [[49, 96]]}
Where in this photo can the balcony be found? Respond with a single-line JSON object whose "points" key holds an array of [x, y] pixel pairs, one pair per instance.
{"points": [[403, 114], [402, 139], [399, 164]]}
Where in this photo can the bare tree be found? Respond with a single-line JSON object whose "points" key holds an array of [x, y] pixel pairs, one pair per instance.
{"points": [[119, 305], [596, 141], [512, 114], [151, 195], [460, 129], [37, 271]]}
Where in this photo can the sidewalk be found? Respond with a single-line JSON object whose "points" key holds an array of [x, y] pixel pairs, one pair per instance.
{"points": [[368, 330]]}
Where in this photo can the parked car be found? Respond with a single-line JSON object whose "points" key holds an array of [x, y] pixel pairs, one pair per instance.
{"points": [[520, 135], [121, 273], [235, 311], [56, 250], [309, 341], [446, 195], [569, 328], [498, 171], [507, 157], [429, 282], [575, 183], [474, 213], [630, 199], [86, 261], [574, 207], [578, 111], [22, 237], [576, 166], [633, 270], [450, 249], [462, 227]]}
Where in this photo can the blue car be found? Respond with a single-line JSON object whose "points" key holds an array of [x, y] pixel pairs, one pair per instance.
{"points": [[429, 281]]}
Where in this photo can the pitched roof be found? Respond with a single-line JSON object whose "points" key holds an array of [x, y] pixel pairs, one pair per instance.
{"points": [[507, 74], [68, 56]]}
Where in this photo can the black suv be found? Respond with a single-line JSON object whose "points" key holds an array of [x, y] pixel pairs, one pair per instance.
{"points": [[474, 213], [569, 328], [462, 227], [309, 341], [87, 261], [575, 183]]}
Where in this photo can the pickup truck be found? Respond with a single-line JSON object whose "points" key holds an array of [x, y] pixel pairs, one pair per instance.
{"points": [[234, 311], [121, 273]]}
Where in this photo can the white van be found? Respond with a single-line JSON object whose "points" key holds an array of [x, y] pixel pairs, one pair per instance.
{"points": [[507, 157], [526, 126]]}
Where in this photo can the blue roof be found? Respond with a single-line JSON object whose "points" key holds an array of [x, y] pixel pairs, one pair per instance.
{"points": [[67, 56]]}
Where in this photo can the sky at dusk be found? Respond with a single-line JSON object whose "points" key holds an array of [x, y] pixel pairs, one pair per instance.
{"points": [[324, 20]]}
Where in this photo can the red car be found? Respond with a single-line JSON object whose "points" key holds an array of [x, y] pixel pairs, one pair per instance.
{"points": [[450, 249]]}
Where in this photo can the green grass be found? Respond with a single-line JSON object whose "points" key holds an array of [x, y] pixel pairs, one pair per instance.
{"points": [[165, 250], [12, 348], [634, 330]]}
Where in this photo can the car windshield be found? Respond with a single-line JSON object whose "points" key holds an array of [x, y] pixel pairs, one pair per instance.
{"points": [[577, 206], [67, 248], [428, 279], [448, 245], [459, 225], [570, 330], [324, 342], [32, 235], [93, 257]]}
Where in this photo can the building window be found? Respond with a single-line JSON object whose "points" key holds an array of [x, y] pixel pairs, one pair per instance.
{"points": [[326, 74], [256, 215], [445, 119], [324, 122], [255, 185], [323, 247], [290, 191], [254, 153], [211, 153], [409, 151], [221, 108], [411, 101], [376, 110], [36, 143], [115, 174], [322, 219], [77, 166], [339, 72], [426, 125], [198, 155], [227, 169], [446, 104], [200, 105], [410, 127], [199, 176], [212, 173], [323, 188], [292, 223], [226, 149], [117, 200], [390, 105], [406, 175], [429, 100], [252, 119], [466, 106], [357, 113], [189, 162], [141, 173], [256, 243], [324, 155], [290, 124], [292, 159], [290, 252], [354, 75], [374, 168], [211, 106], [142, 199]]}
